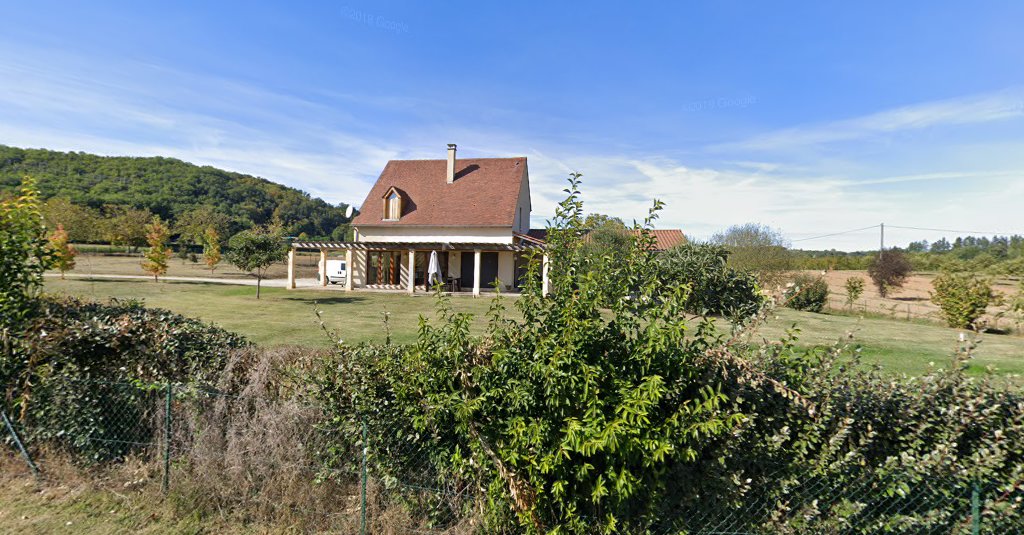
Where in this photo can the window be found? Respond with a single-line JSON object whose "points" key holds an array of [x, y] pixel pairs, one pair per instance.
{"points": [[393, 206]]}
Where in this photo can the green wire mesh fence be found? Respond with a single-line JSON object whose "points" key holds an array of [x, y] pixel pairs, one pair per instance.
{"points": [[264, 452]]}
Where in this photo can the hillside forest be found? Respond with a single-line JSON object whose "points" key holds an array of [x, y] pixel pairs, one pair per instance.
{"points": [[110, 199]]}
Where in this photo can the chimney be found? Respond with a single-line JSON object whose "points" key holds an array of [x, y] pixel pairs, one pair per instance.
{"points": [[451, 163]]}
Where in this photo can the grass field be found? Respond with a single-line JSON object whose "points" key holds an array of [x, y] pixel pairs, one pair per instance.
{"points": [[285, 317]]}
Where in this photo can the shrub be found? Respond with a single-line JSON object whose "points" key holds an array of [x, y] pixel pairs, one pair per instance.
{"points": [[808, 293], [963, 298], [889, 271], [24, 256], [573, 418], [71, 376], [854, 287], [714, 287]]}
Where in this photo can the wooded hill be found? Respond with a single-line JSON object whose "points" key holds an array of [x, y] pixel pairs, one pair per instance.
{"points": [[169, 188]]}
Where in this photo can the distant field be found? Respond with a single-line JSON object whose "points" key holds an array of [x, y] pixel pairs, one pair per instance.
{"points": [[285, 317], [913, 300]]}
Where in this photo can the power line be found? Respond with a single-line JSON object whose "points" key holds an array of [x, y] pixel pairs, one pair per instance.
{"points": [[836, 233], [957, 231]]}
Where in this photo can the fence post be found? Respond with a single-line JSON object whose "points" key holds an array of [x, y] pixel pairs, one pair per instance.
{"points": [[21, 447], [975, 508], [362, 522], [167, 437]]}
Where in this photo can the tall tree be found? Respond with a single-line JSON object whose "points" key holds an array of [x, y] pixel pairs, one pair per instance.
{"points": [[255, 250], [81, 222], [126, 226], [158, 253], [757, 249], [63, 252]]}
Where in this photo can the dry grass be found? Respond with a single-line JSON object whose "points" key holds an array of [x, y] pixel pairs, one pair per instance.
{"points": [[913, 300], [248, 462]]}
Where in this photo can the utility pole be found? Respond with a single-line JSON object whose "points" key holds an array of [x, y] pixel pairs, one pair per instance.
{"points": [[881, 245]]}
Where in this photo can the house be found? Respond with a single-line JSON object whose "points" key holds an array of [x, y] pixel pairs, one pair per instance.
{"points": [[474, 213]]}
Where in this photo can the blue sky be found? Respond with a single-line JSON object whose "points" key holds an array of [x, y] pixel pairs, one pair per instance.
{"points": [[809, 117]]}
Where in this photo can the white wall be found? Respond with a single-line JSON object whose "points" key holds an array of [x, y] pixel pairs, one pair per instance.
{"points": [[523, 206], [419, 234], [506, 270]]}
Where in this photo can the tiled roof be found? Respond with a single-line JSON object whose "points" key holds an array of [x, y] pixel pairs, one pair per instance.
{"points": [[485, 193], [666, 239]]}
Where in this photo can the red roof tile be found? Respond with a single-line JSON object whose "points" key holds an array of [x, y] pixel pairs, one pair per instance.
{"points": [[485, 193]]}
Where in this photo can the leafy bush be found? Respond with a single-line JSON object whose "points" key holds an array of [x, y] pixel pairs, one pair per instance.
{"points": [[572, 418], [714, 287], [808, 293], [71, 372], [963, 298], [889, 271]]}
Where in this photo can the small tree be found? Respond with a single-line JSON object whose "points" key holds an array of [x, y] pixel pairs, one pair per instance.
{"points": [[24, 256], [889, 271], [158, 253], [211, 248], [63, 252], [854, 289], [963, 298], [255, 250]]}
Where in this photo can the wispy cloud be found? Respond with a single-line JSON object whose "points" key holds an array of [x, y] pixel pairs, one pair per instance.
{"points": [[952, 112]]}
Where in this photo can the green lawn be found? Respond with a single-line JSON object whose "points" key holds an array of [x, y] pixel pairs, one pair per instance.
{"points": [[285, 317]]}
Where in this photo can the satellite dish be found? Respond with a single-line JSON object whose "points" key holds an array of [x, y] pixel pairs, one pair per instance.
{"points": [[348, 212]]}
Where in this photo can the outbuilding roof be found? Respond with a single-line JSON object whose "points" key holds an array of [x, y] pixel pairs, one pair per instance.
{"points": [[485, 193]]}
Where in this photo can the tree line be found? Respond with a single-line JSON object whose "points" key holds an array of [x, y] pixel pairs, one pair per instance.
{"points": [[110, 199]]}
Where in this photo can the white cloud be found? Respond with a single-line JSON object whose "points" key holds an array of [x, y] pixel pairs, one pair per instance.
{"points": [[952, 112]]}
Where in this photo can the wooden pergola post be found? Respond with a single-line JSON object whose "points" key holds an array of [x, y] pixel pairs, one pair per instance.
{"points": [[412, 271], [349, 270], [291, 269], [323, 267], [476, 273], [544, 284]]}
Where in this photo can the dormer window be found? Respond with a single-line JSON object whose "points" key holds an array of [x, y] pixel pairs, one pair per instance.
{"points": [[392, 205]]}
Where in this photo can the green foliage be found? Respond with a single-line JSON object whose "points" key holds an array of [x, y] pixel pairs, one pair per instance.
{"points": [[68, 372], [808, 292], [126, 226], [157, 254], [715, 288], [24, 256], [889, 270], [62, 251], [83, 224], [854, 287], [757, 249], [963, 298], [256, 250], [581, 419], [169, 188]]}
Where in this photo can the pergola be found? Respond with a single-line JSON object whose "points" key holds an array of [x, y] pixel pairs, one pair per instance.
{"points": [[412, 248]]}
